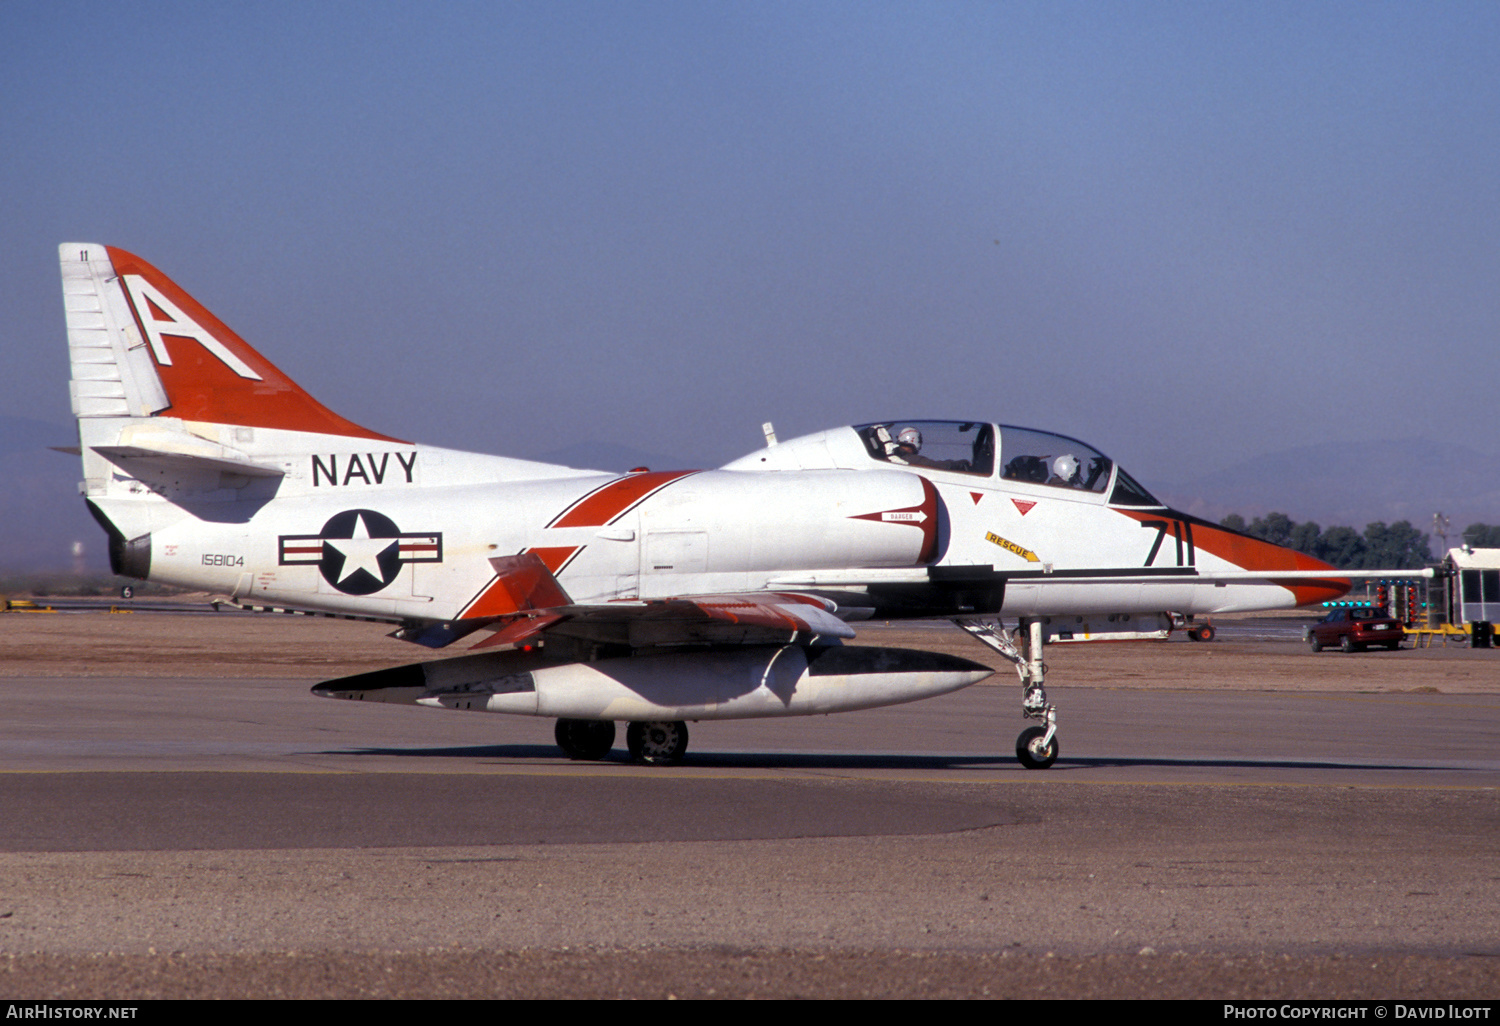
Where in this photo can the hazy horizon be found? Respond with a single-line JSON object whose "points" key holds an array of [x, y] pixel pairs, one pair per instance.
{"points": [[1190, 235]]}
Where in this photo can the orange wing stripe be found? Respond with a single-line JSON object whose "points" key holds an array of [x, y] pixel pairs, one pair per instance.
{"points": [[517, 631], [521, 583]]}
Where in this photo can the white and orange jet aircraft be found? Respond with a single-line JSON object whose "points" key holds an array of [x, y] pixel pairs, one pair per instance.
{"points": [[650, 598]]}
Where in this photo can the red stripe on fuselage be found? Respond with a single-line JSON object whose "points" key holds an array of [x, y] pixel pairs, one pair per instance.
{"points": [[606, 504], [602, 506]]}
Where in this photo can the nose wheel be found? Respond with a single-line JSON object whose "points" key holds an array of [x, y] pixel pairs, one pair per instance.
{"points": [[1035, 749]]}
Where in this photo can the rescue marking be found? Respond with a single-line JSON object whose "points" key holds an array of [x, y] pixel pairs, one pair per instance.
{"points": [[1010, 546]]}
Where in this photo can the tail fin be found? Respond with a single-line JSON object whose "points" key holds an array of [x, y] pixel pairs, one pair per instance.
{"points": [[142, 347], [174, 408]]}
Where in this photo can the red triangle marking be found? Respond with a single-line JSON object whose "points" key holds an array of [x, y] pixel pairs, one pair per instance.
{"points": [[977, 496], [1024, 507]]}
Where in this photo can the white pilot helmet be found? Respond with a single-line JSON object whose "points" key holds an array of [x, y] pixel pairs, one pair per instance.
{"points": [[910, 436], [1065, 466]]}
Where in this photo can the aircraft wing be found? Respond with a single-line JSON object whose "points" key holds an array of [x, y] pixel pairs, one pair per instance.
{"points": [[525, 601]]}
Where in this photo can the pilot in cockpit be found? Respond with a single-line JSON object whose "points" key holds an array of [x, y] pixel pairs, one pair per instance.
{"points": [[1065, 471], [908, 450]]}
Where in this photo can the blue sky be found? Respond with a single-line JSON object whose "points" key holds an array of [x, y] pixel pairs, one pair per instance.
{"points": [[1189, 234]]}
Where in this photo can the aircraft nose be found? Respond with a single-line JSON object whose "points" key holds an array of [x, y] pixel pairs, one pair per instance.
{"points": [[1196, 539], [1255, 554]]}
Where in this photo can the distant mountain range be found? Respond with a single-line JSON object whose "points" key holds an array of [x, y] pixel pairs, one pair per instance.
{"points": [[41, 515]]}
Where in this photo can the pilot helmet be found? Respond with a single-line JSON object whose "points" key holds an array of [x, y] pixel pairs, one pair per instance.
{"points": [[1065, 466], [910, 436]]}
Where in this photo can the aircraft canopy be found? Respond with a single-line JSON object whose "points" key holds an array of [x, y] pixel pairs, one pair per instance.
{"points": [[1014, 453]]}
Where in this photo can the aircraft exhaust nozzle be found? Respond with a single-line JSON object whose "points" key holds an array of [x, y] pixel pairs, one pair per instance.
{"points": [[732, 683], [127, 557]]}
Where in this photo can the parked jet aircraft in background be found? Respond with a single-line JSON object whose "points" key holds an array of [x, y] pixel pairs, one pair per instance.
{"points": [[654, 597]]}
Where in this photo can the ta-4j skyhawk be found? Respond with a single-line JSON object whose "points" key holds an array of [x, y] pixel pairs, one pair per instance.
{"points": [[650, 598]]}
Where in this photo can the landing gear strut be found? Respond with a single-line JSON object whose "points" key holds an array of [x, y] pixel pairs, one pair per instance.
{"points": [[1037, 746]]}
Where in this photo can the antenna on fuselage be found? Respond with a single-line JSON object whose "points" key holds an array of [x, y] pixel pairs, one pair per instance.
{"points": [[770, 433]]}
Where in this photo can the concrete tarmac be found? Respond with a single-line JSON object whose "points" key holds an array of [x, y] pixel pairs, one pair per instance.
{"points": [[207, 835]]}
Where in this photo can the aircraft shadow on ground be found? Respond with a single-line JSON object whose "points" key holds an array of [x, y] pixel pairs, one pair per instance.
{"points": [[857, 761]]}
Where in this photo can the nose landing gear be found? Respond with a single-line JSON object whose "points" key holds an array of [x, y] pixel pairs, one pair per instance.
{"points": [[1036, 748]]}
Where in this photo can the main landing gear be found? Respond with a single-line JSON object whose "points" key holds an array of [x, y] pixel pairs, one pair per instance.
{"points": [[1037, 746], [585, 740], [658, 744], [655, 743]]}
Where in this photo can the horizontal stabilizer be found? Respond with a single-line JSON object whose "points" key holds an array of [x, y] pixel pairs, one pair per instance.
{"points": [[168, 459]]}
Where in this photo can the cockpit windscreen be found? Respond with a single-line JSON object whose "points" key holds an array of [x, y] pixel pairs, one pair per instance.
{"points": [[1044, 458]]}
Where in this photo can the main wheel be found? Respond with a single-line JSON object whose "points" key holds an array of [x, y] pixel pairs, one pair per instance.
{"points": [[585, 739], [657, 743], [1030, 751]]}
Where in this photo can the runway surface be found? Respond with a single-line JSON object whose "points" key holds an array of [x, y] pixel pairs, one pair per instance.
{"points": [[234, 836]]}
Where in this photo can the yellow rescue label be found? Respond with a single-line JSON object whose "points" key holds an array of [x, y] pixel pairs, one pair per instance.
{"points": [[1005, 543]]}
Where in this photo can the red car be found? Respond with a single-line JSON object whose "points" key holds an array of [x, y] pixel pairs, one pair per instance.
{"points": [[1354, 629]]}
